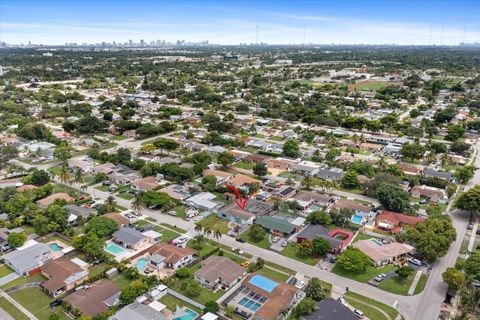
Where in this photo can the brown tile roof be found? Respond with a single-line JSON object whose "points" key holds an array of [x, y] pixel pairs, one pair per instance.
{"points": [[216, 173], [215, 267], [277, 300], [396, 218], [26, 187], [171, 253], [379, 252], [147, 183], [117, 217], [57, 271], [53, 197], [91, 301]]}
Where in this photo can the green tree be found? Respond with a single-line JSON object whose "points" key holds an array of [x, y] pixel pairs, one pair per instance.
{"points": [[341, 217], [90, 244], [191, 288], [403, 272], [470, 201], [454, 132], [393, 198], [156, 199], [319, 217], [64, 175], [16, 239], [320, 247], [291, 148], [314, 290], [256, 233], [211, 306], [303, 308], [412, 151], [209, 183], [39, 177], [354, 260], [183, 273], [225, 159], [453, 278], [350, 180], [101, 226], [260, 169], [472, 266], [110, 204], [135, 289], [137, 203], [63, 153], [465, 173]]}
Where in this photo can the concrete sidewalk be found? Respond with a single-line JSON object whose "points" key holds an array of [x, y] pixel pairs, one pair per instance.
{"points": [[413, 286]]}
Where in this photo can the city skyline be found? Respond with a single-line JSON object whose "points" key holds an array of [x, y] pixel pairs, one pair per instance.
{"points": [[346, 22]]}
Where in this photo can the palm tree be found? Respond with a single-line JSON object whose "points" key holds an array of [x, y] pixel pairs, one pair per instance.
{"points": [[77, 176], [199, 239], [382, 164], [207, 231], [137, 203], [307, 181], [217, 235], [198, 228], [110, 203], [64, 175]]}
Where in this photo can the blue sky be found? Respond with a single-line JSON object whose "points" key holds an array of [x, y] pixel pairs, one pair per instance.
{"points": [[234, 22]]}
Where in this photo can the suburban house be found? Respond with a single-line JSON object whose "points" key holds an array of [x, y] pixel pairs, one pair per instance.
{"points": [[13, 182], [204, 201], [331, 309], [261, 298], [77, 211], [308, 200], [439, 174], [26, 187], [338, 238], [219, 272], [118, 218], [276, 226], [105, 168], [163, 255], [361, 211], [45, 202], [83, 164], [285, 193], [433, 194], [254, 208], [62, 275], [241, 181], [333, 174], [28, 259], [176, 191], [96, 298], [307, 167], [147, 183], [221, 176], [382, 254], [255, 158], [123, 175], [140, 311], [131, 238], [278, 164], [394, 221]]}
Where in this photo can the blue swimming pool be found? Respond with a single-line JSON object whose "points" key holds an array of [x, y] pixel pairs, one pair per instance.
{"points": [[263, 283], [189, 316], [252, 305], [114, 249], [55, 247], [357, 219], [141, 263], [316, 208]]}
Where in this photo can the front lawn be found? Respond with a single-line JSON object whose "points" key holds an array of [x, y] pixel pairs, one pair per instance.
{"points": [[264, 244], [275, 275], [12, 310], [5, 270], [392, 313], [244, 165], [292, 251], [421, 284], [396, 285], [37, 302], [215, 223], [369, 273], [37, 277], [125, 196]]}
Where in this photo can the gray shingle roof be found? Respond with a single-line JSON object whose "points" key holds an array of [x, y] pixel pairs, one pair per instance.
{"points": [[128, 235]]}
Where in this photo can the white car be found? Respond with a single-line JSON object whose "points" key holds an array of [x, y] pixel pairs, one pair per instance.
{"points": [[181, 240], [380, 277], [275, 239], [415, 262], [172, 213], [284, 243], [342, 300], [198, 218], [300, 284], [358, 313]]}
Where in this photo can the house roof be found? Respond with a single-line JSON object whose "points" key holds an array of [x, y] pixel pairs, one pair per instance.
{"points": [[204, 200], [28, 258], [80, 211], [59, 272], [331, 309], [147, 183], [171, 253], [26, 187], [216, 173], [396, 218], [313, 231], [216, 267], [439, 174], [309, 196], [345, 203], [138, 311], [273, 223], [92, 301], [427, 191], [378, 252], [117, 217], [53, 197], [241, 179], [277, 299], [128, 235]]}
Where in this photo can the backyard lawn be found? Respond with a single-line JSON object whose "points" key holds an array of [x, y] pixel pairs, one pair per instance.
{"points": [[369, 274], [12, 310], [37, 302], [366, 306], [171, 302], [244, 165], [204, 296], [293, 252], [121, 280], [215, 223]]}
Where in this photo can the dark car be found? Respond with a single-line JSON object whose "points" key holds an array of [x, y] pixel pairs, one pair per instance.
{"points": [[55, 303], [470, 226], [241, 240], [333, 259]]}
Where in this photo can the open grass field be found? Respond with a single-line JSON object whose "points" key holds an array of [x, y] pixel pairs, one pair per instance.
{"points": [[371, 85]]}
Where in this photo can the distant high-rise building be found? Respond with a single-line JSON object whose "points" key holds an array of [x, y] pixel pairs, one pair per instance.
{"points": [[130, 42], [142, 42]]}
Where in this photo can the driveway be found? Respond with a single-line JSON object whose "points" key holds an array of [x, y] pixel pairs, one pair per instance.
{"points": [[8, 278]]}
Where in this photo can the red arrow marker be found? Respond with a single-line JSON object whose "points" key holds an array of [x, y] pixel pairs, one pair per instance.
{"points": [[243, 202]]}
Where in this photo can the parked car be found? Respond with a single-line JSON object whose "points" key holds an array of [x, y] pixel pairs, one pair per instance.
{"points": [[245, 263], [380, 277], [106, 183], [284, 243], [300, 284], [275, 239], [333, 259], [241, 240], [181, 240], [55, 303], [415, 262], [172, 213], [293, 281], [198, 218], [342, 300], [358, 313], [470, 226]]}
